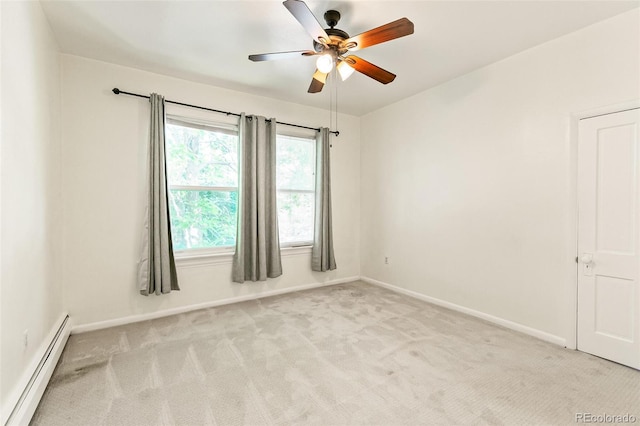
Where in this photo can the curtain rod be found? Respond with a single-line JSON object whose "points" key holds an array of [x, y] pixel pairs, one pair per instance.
{"points": [[118, 92]]}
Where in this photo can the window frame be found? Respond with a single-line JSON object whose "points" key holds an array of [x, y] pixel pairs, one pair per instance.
{"points": [[312, 140], [208, 125]]}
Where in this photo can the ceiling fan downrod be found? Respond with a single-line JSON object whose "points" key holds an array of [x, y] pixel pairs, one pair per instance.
{"points": [[332, 17]]}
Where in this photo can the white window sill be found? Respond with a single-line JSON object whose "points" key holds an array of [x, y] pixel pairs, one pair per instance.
{"points": [[197, 258]]}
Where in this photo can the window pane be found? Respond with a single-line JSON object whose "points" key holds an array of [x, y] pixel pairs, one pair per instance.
{"points": [[295, 216], [203, 218], [295, 163], [201, 157]]}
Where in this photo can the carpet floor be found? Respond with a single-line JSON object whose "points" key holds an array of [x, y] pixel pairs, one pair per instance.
{"points": [[351, 354]]}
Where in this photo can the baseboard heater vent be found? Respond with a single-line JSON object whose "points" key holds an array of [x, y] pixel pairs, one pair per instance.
{"points": [[35, 387]]}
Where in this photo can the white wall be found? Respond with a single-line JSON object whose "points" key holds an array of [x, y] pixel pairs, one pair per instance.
{"points": [[104, 157], [469, 187], [30, 291]]}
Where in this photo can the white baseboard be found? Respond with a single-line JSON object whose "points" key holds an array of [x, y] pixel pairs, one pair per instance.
{"points": [[496, 320], [173, 311], [29, 390]]}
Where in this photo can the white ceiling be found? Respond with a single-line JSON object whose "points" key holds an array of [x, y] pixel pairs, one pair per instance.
{"points": [[209, 41]]}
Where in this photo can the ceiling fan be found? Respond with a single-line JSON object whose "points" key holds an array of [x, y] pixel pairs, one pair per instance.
{"points": [[332, 44]]}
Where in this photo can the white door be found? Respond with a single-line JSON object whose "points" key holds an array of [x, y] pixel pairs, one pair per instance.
{"points": [[608, 237]]}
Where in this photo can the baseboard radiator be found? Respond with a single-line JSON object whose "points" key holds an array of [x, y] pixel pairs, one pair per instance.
{"points": [[35, 386]]}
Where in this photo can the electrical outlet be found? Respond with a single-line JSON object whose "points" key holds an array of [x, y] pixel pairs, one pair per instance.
{"points": [[386, 260], [25, 338]]}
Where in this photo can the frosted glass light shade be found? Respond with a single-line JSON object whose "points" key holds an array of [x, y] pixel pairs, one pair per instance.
{"points": [[325, 63], [345, 70]]}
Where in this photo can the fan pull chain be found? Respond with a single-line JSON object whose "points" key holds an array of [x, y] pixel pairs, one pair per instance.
{"points": [[331, 89], [333, 101], [330, 81], [337, 79]]}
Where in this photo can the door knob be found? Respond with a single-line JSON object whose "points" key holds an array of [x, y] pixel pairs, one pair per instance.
{"points": [[587, 258]]}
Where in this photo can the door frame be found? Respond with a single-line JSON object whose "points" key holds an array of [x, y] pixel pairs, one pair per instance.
{"points": [[573, 270]]}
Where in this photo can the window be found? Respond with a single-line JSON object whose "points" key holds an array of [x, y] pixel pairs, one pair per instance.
{"points": [[202, 173], [295, 179]]}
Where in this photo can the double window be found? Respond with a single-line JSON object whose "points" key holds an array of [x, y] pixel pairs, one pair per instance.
{"points": [[202, 172]]}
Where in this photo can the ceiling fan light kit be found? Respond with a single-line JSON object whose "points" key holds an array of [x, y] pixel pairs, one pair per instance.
{"points": [[331, 44], [325, 63], [345, 70]]}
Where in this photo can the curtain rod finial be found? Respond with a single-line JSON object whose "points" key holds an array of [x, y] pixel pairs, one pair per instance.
{"points": [[116, 90]]}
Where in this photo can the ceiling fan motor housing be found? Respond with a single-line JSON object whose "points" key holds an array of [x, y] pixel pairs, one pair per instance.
{"points": [[336, 35]]}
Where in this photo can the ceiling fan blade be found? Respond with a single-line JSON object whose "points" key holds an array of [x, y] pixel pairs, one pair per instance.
{"points": [[281, 55], [303, 14], [317, 82], [396, 29], [368, 69]]}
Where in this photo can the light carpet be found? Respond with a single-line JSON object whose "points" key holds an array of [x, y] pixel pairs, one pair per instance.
{"points": [[350, 354]]}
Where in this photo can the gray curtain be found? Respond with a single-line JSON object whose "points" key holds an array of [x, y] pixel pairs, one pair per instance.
{"points": [[257, 255], [157, 268], [322, 257]]}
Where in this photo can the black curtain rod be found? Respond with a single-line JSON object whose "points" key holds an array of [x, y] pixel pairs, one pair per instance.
{"points": [[118, 92]]}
